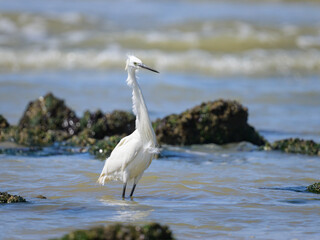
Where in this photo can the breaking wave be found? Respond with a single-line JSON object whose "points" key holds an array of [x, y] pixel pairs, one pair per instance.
{"points": [[31, 41], [256, 62]]}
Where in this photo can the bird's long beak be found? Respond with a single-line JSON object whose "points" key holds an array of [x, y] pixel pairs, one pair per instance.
{"points": [[148, 68]]}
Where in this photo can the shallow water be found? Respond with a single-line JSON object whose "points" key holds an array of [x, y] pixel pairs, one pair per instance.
{"points": [[201, 192], [265, 54]]}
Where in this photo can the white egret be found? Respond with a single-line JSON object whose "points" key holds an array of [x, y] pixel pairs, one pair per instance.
{"points": [[134, 153]]}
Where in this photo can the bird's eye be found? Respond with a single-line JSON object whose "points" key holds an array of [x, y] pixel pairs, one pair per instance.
{"points": [[135, 63]]}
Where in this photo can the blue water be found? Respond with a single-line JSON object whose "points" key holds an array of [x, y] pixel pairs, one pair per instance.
{"points": [[265, 54]]}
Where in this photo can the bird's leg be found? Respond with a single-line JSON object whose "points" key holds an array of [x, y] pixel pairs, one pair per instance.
{"points": [[124, 190], [134, 186]]}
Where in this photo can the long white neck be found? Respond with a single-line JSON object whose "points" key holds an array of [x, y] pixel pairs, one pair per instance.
{"points": [[143, 123]]}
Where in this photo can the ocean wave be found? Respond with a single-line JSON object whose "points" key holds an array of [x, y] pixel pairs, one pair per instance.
{"points": [[74, 30], [257, 62], [34, 41]]}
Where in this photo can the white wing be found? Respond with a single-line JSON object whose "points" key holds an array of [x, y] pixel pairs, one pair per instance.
{"points": [[124, 153]]}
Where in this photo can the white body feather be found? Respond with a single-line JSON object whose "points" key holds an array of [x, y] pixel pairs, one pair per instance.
{"points": [[134, 153]]}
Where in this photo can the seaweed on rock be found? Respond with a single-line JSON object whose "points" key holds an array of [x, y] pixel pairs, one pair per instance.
{"points": [[101, 125], [50, 113], [219, 122], [152, 231], [295, 145], [102, 148], [3, 122], [8, 198], [314, 188]]}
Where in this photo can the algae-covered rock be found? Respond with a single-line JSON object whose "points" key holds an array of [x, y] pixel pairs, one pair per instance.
{"points": [[102, 148], [314, 188], [120, 122], [3, 122], [82, 139], [35, 136], [8, 198], [101, 125], [95, 123], [50, 113], [219, 122], [295, 145], [152, 231]]}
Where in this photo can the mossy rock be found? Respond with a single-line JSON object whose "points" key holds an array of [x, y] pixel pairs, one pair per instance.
{"points": [[152, 231], [219, 122], [102, 148], [314, 188], [101, 125], [35, 136], [95, 124], [295, 145], [3, 122], [82, 139], [50, 113], [8, 198], [120, 122]]}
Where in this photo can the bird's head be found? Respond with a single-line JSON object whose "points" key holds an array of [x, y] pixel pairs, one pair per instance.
{"points": [[135, 63]]}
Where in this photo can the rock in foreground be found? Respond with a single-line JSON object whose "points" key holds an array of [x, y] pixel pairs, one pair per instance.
{"points": [[314, 188], [295, 145], [218, 122], [8, 198], [153, 231]]}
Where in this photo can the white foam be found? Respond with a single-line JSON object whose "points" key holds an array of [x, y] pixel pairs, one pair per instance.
{"points": [[247, 63], [308, 41]]}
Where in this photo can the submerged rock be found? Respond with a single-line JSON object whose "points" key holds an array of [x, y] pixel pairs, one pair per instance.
{"points": [[3, 122], [102, 148], [152, 231], [219, 122], [41, 197], [50, 113], [314, 188], [12, 148], [295, 145], [8, 198]]}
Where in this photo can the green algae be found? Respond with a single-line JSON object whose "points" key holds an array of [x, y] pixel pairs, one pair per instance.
{"points": [[102, 148], [83, 139], [219, 122], [295, 145], [120, 122], [102, 125], [95, 124], [3, 122], [49, 113], [48, 120], [8, 198], [152, 231], [314, 188], [32, 136]]}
